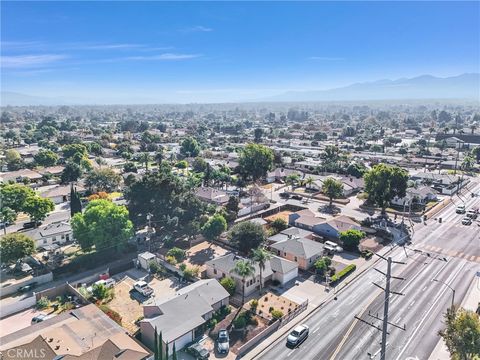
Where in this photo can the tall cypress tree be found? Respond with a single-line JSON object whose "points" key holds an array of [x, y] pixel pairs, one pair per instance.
{"points": [[155, 346], [75, 202], [166, 351], [160, 347]]}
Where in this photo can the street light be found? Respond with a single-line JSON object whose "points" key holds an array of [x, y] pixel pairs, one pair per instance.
{"points": [[453, 290]]}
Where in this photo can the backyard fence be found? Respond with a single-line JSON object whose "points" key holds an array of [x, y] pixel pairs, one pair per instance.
{"points": [[299, 309]]}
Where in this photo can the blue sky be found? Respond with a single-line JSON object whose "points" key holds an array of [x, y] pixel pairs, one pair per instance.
{"points": [[228, 51]]}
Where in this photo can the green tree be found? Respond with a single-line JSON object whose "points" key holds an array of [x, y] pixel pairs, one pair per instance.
{"points": [[103, 179], [255, 161], [244, 269], [229, 284], [292, 180], [258, 133], [15, 246], [462, 334], [356, 169], [260, 256], [351, 239], [38, 208], [75, 202], [330, 157], [7, 216], [278, 225], [71, 172], [384, 182], [332, 188], [190, 147], [247, 236], [103, 224], [13, 160], [165, 196], [322, 264], [174, 352], [75, 151], [100, 291], [320, 136], [14, 196], [199, 165], [182, 164], [46, 158], [214, 227]]}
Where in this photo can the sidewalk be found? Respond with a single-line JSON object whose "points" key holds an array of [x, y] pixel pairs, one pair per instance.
{"points": [[469, 302]]}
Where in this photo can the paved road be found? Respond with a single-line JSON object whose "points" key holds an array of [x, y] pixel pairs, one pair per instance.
{"points": [[336, 334]]}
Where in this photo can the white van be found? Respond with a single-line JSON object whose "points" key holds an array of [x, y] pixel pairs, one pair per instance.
{"points": [[332, 247]]}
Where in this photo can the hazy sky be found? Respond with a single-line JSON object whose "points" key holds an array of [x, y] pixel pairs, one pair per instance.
{"points": [[228, 51]]}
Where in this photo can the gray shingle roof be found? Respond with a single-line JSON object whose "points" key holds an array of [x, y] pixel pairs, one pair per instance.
{"points": [[299, 247], [282, 266]]}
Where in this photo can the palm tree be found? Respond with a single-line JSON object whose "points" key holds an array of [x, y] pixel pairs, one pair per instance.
{"points": [[261, 256], [244, 269], [292, 179]]}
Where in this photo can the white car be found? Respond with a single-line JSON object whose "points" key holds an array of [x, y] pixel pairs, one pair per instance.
{"points": [[297, 336], [143, 288], [467, 221], [460, 209]]}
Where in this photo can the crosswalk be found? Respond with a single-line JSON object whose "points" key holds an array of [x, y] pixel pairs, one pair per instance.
{"points": [[451, 253]]}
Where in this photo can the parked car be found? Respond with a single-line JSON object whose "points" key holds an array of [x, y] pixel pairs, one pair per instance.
{"points": [[467, 221], [472, 213], [143, 288], [27, 288], [31, 224], [223, 342], [296, 197], [297, 336], [198, 351], [460, 209], [284, 195], [39, 318]]}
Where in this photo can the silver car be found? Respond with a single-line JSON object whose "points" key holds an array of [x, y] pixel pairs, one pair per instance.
{"points": [[297, 336], [223, 342]]}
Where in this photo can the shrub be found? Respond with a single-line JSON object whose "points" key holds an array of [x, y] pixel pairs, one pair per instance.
{"points": [[171, 260], [43, 303], [343, 273], [191, 272], [101, 292], [177, 253], [229, 284], [153, 267], [112, 314], [270, 309], [212, 323], [276, 314], [351, 239], [240, 322], [182, 266], [254, 305]]}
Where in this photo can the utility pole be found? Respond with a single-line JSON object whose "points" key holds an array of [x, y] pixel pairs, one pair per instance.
{"points": [[384, 329], [149, 231]]}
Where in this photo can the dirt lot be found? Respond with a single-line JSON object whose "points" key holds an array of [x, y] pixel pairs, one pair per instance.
{"points": [[277, 302], [201, 253], [129, 305], [282, 215]]}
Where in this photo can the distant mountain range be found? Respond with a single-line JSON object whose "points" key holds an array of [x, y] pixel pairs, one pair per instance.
{"points": [[465, 86]]}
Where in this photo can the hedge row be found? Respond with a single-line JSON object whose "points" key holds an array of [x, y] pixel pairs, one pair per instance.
{"points": [[343, 273]]}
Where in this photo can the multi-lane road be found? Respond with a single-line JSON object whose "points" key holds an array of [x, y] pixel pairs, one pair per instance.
{"points": [[450, 254]]}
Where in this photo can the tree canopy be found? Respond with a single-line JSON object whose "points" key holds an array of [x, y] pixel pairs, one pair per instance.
{"points": [[103, 224], [103, 179], [462, 334], [167, 197], [15, 246], [190, 147], [247, 236], [214, 227], [332, 188], [351, 239], [46, 158], [255, 161], [384, 182]]}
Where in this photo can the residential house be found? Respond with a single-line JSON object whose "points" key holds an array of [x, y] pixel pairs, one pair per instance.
{"points": [[59, 193], [181, 319], [222, 266], [20, 176], [54, 233], [333, 227], [305, 219], [77, 334], [302, 251], [419, 196], [291, 231], [279, 174], [212, 196]]}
